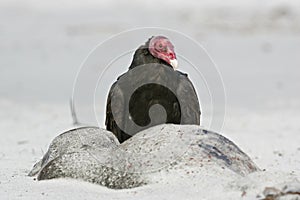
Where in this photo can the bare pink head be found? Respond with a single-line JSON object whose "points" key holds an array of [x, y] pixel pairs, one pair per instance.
{"points": [[161, 47]]}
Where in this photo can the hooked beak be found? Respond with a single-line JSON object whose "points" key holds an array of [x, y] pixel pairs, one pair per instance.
{"points": [[174, 63]]}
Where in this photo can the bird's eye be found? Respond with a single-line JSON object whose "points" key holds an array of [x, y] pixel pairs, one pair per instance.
{"points": [[160, 45]]}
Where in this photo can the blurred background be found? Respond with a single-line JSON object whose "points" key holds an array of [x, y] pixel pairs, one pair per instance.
{"points": [[255, 44]]}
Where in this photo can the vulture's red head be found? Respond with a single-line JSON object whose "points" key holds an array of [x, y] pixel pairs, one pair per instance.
{"points": [[161, 47]]}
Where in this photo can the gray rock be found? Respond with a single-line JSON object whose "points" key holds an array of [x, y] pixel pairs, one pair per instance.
{"points": [[137, 161], [84, 166], [75, 140], [191, 145]]}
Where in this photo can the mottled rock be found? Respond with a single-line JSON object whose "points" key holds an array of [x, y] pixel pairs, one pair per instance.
{"points": [[84, 166], [76, 140], [164, 145], [163, 149]]}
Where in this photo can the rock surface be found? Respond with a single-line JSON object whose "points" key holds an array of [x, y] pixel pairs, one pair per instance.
{"points": [[94, 155], [76, 140]]}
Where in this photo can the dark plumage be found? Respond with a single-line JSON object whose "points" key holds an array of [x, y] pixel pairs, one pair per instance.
{"points": [[180, 103]]}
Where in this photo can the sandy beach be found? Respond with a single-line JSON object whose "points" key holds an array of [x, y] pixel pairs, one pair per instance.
{"points": [[255, 46]]}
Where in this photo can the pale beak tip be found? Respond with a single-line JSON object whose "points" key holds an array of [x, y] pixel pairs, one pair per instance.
{"points": [[174, 63]]}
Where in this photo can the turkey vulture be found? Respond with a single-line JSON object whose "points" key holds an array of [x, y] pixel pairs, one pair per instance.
{"points": [[151, 92]]}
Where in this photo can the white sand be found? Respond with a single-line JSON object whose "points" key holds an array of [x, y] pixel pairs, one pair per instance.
{"points": [[41, 48], [29, 129]]}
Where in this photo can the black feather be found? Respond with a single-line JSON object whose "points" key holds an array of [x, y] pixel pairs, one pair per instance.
{"points": [[150, 94]]}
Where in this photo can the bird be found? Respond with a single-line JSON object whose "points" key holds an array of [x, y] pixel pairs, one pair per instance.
{"points": [[152, 81]]}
